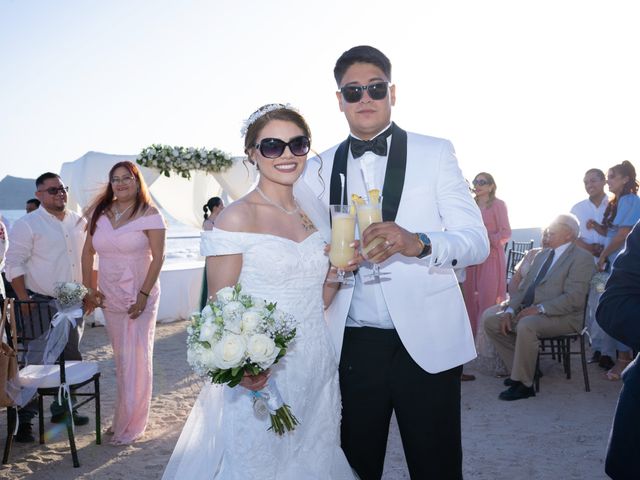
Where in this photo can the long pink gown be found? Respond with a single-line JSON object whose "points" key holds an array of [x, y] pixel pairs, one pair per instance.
{"points": [[124, 257], [485, 284]]}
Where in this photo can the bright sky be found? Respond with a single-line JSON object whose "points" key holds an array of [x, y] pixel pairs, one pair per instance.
{"points": [[533, 92]]}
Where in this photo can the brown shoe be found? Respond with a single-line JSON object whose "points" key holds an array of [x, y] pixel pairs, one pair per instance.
{"points": [[467, 377]]}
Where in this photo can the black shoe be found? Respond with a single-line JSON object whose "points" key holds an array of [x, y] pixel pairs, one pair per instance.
{"points": [[509, 383], [517, 392], [606, 362], [25, 434], [595, 358], [77, 418]]}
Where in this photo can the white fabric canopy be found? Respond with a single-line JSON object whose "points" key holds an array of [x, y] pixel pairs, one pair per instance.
{"points": [[180, 197]]}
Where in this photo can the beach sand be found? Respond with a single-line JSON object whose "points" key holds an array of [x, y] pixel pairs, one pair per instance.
{"points": [[561, 433]]}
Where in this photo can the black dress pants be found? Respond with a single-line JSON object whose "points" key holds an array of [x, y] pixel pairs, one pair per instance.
{"points": [[377, 377]]}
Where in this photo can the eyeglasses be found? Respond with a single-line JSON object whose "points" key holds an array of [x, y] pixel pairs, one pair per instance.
{"points": [[481, 183], [274, 147], [354, 93], [55, 190], [124, 180]]}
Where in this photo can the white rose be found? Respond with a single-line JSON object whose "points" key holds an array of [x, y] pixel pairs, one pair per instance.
{"points": [[208, 332], [208, 359], [207, 312], [229, 352], [225, 294], [262, 350], [250, 321]]}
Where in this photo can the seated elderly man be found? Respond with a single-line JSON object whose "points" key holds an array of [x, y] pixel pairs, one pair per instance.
{"points": [[550, 302]]}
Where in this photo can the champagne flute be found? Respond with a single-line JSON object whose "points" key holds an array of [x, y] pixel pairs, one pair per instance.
{"points": [[368, 212], [343, 233]]}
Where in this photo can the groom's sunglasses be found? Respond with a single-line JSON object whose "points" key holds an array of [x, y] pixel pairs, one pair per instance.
{"points": [[354, 93], [274, 147]]}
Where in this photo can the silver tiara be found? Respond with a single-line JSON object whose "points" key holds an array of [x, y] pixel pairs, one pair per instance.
{"points": [[263, 111]]}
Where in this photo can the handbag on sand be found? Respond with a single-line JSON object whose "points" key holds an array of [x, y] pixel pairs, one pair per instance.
{"points": [[8, 358]]}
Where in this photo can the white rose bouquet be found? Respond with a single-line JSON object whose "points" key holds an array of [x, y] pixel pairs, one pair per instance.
{"points": [[70, 294], [238, 334]]}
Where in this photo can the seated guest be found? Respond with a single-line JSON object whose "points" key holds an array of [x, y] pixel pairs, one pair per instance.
{"points": [[550, 302], [32, 204], [617, 314], [488, 358]]}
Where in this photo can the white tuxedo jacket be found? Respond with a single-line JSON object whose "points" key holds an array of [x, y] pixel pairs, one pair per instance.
{"points": [[422, 295]]}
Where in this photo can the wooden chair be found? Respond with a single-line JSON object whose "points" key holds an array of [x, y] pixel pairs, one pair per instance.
{"points": [[32, 318], [561, 346]]}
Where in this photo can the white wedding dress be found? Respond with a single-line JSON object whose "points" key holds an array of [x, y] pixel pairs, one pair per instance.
{"points": [[223, 437]]}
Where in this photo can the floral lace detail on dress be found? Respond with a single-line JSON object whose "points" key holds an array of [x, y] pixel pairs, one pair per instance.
{"points": [[291, 274]]}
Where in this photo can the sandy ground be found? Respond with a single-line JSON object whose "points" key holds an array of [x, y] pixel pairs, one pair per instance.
{"points": [[561, 433]]}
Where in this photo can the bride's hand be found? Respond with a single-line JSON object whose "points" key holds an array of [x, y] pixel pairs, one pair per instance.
{"points": [[354, 263], [255, 382]]}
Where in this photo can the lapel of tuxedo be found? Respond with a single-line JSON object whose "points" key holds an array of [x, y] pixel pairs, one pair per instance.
{"points": [[393, 177], [339, 166]]}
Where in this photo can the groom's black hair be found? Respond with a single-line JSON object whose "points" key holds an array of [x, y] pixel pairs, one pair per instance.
{"points": [[361, 54]]}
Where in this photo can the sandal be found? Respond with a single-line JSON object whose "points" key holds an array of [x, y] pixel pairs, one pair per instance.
{"points": [[615, 373]]}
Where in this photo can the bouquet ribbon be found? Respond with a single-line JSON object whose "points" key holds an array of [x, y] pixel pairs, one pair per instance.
{"points": [[58, 336], [269, 397]]}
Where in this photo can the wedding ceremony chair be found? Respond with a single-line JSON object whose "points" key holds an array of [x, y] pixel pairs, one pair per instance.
{"points": [[61, 380], [563, 349]]}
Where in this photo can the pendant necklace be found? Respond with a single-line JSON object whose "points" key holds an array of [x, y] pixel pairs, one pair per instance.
{"points": [[279, 207], [118, 215], [307, 224]]}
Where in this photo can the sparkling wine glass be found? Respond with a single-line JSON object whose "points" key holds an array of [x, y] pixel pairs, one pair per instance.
{"points": [[370, 212], [343, 232]]}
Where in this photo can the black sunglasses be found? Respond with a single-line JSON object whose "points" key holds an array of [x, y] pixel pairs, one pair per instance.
{"points": [[354, 93], [274, 147], [481, 183], [55, 190]]}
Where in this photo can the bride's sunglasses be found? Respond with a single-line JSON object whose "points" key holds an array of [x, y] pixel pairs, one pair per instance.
{"points": [[274, 147], [354, 93]]}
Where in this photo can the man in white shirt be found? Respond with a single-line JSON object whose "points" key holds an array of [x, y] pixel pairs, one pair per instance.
{"points": [[592, 207], [45, 249], [589, 239], [550, 303]]}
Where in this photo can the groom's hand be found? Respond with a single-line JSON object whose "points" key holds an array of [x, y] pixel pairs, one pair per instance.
{"points": [[395, 240]]}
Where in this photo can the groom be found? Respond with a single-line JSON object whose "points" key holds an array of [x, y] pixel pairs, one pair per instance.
{"points": [[400, 341]]}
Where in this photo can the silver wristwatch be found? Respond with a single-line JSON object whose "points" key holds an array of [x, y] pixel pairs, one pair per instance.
{"points": [[426, 244]]}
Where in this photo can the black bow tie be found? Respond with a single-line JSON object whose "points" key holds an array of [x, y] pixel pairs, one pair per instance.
{"points": [[378, 145]]}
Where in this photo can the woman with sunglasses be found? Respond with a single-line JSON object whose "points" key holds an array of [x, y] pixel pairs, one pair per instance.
{"points": [[622, 213], [128, 234], [267, 242], [485, 284]]}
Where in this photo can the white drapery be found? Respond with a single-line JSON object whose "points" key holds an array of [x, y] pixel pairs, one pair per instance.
{"points": [[180, 197]]}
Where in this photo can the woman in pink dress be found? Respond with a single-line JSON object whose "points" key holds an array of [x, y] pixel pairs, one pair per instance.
{"points": [[485, 284], [128, 234]]}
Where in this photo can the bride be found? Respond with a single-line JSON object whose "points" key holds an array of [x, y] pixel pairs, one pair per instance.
{"points": [[269, 244]]}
